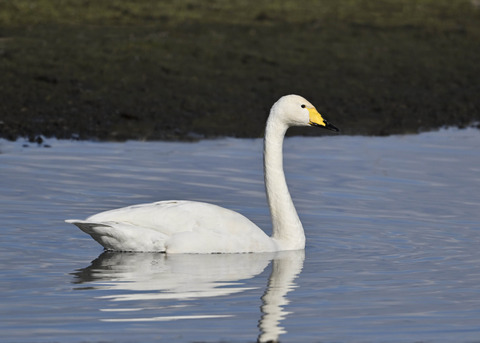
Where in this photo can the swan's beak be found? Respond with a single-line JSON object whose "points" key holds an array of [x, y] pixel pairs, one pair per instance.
{"points": [[317, 120]]}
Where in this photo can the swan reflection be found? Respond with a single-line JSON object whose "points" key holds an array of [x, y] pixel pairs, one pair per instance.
{"points": [[286, 267], [146, 277]]}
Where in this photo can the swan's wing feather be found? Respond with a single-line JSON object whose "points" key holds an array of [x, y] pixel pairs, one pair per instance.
{"points": [[176, 227], [167, 217], [119, 236]]}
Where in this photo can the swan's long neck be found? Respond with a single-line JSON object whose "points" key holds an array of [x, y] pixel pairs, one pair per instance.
{"points": [[287, 228]]}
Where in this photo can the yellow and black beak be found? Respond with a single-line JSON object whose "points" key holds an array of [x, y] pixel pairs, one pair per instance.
{"points": [[316, 119]]}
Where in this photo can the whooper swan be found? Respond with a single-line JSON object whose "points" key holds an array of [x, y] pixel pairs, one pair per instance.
{"points": [[197, 227]]}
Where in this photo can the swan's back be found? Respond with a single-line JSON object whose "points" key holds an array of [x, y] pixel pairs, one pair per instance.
{"points": [[176, 227]]}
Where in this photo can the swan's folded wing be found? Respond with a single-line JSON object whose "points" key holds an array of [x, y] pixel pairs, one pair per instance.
{"points": [[119, 236], [176, 227]]}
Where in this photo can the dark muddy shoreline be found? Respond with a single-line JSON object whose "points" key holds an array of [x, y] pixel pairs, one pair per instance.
{"points": [[190, 69]]}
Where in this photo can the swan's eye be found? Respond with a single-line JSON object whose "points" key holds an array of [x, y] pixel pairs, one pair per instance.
{"points": [[303, 106]]}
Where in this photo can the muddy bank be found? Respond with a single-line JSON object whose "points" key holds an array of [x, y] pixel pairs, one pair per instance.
{"points": [[193, 69]]}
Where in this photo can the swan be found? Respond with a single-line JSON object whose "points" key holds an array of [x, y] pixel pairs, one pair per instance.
{"points": [[179, 226]]}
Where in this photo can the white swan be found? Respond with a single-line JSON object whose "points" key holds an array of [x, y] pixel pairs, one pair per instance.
{"points": [[196, 227]]}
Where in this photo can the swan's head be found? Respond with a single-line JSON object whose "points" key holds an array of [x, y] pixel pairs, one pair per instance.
{"points": [[294, 110]]}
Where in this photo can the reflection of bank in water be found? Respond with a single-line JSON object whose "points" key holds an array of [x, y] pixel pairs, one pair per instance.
{"points": [[147, 277]]}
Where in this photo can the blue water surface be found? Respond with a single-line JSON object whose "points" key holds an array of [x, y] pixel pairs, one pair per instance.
{"points": [[392, 225]]}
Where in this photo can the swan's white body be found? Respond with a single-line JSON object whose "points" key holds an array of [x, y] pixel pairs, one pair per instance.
{"points": [[197, 227]]}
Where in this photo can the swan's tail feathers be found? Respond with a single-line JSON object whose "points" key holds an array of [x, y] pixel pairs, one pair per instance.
{"points": [[117, 236]]}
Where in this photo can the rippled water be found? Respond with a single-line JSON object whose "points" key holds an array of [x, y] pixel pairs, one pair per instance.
{"points": [[392, 225]]}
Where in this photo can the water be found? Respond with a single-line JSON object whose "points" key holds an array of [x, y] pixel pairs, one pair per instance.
{"points": [[392, 225]]}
